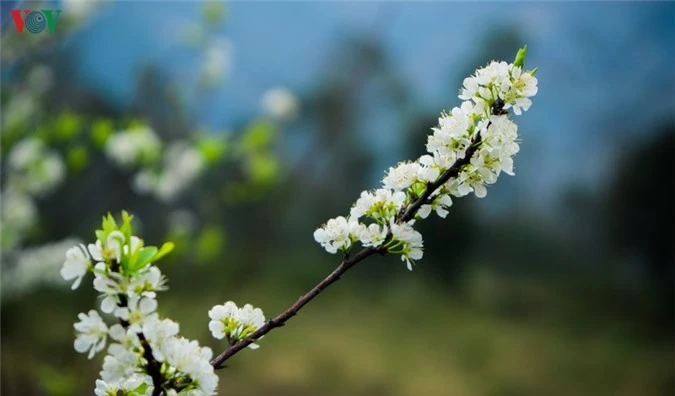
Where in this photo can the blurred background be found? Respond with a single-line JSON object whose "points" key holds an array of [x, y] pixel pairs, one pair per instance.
{"points": [[235, 129]]}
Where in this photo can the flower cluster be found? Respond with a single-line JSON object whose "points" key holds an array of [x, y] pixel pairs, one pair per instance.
{"points": [[471, 146], [34, 265], [133, 146], [145, 351], [182, 165], [280, 103], [233, 323]]}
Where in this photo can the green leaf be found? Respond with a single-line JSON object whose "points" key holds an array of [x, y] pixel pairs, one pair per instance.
{"points": [[213, 149], [77, 158], [126, 225], [210, 244], [144, 257], [101, 131], [214, 13], [520, 57], [166, 248], [109, 225], [262, 168], [67, 125], [141, 389], [257, 136]]}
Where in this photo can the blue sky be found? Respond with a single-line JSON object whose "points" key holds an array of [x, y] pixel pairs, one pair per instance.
{"points": [[606, 70]]}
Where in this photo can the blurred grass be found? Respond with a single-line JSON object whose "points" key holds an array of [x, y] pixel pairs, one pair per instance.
{"points": [[406, 336]]}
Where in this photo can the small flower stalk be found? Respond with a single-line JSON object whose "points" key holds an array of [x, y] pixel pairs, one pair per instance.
{"points": [[467, 151]]}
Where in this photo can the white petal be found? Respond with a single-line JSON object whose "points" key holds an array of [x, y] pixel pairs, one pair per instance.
{"points": [[108, 304]]}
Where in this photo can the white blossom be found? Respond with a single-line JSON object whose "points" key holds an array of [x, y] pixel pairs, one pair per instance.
{"points": [[34, 169], [120, 363], [338, 234], [431, 167], [110, 284], [91, 333], [125, 386], [19, 212], [76, 265], [147, 283], [182, 165], [381, 204], [188, 357], [131, 147], [373, 235], [410, 242], [280, 103], [32, 267], [105, 389], [217, 61], [136, 311], [250, 319], [451, 138], [112, 250], [157, 332], [440, 203], [222, 319], [402, 176], [229, 321], [520, 87]]}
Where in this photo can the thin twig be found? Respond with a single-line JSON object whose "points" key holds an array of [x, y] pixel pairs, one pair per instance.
{"points": [[281, 319]]}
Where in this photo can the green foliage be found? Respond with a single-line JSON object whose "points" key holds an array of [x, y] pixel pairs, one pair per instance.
{"points": [[212, 148], [214, 13], [131, 260], [257, 136], [167, 247], [141, 257], [66, 126], [210, 244], [77, 158], [262, 168], [100, 132], [59, 382]]}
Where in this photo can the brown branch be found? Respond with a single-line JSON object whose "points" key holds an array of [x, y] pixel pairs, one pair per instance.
{"points": [[451, 172], [281, 319], [346, 264]]}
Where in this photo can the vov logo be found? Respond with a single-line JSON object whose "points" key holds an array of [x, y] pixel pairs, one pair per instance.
{"points": [[35, 21]]}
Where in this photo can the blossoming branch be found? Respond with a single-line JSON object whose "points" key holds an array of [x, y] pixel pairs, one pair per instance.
{"points": [[471, 146]]}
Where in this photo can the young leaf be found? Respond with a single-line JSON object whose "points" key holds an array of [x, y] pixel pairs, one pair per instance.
{"points": [[520, 57], [144, 257], [126, 224], [166, 248]]}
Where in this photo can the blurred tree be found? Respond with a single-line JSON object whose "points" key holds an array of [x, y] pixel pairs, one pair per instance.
{"points": [[640, 211]]}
